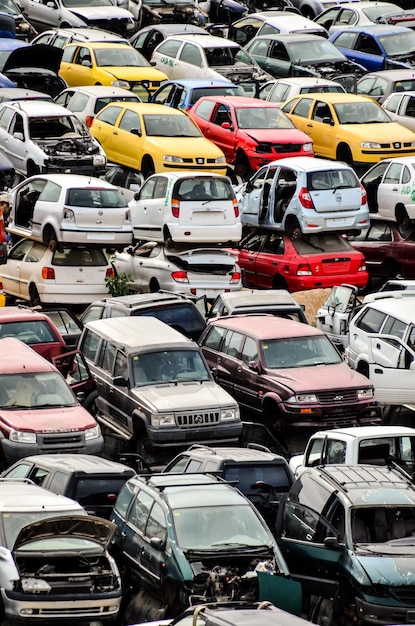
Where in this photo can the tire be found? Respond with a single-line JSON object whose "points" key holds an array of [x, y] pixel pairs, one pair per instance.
{"points": [[147, 167], [50, 238], [292, 227], [308, 12], [321, 611], [274, 421], [278, 282], [34, 295], [402, 217], [345, 154], [242, 167], [90, 405], [145, 448]]}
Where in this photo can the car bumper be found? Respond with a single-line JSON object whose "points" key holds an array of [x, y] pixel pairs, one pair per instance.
{"points": [[303, 283], [16, 451], [382, 614], [334, 415], [335, 221], [176, 436], [115, 237], [70, 294], [258, 160], [365, 157], [206, 234]]}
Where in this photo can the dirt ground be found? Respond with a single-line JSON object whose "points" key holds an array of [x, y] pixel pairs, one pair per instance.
{"points": [[312, 300]]}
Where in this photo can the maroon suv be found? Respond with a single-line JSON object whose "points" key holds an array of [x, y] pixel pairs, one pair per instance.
{"points": [[287, 373]]}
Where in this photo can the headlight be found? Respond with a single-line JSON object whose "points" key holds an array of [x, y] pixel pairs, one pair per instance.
{"points": [[303, 397], [22, 437], [308, 147], [229, 415], [363, 394], [370, 144], [121, 83], [220, 159], [69, 216], [99, 159], [172, 159], [167, 419], [92, 433], [33, 585]]}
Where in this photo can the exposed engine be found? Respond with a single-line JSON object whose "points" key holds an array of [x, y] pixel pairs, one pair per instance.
{"points": [[78, 147]]}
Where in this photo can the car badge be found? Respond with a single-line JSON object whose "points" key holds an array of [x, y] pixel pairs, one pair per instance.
{"points": [[396, 145], [200, 160], [338, 197], [338, 398], [198, 419], [317, 269]]}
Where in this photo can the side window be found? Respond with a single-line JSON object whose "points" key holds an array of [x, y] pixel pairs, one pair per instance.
{"points": [[179, 466], [393, 174], [345, 40], [83, 55], [147, 190], [140, 510], [379, 232], [314, 452], [337, 518], [321, 111], [394, 327], [222, 115], [336, 451], [89, 346], [274, 244], [278, 51], [156, 525], [121, 365], [299, 522], [393, 102], [249, 351], [68, 54], [109, 115], [126, 494], [302, 108], [169, 48], [106, 356], [232, 343], [161, 187], [38, 475], [130, 121], [280, 93], [371, 320], [191, 54], [406, 176], [5, 117], [368, 45], [214, 337], [17, 125], [203, 110], [50, 192]]}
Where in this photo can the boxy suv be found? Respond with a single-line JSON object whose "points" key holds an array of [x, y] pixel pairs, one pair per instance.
{"points": [[155, 390], [198, 540], [56, 568], [277, 302], [347, 533]]}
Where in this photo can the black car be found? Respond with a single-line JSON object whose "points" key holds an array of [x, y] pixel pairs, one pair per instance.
{"points": [[304, 55], [91, 480], [36, 67]]}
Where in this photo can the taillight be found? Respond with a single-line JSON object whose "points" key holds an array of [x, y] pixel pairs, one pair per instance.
{"points": [[110, 273], [235, 277], [88, 120], [180, 277], [362, 266], [364, 194], [235, 207], [304, 270], [175, 208], [48, 273], [305, 198]]}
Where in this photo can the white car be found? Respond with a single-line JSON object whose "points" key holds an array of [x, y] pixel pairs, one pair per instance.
{"points": [[201, 272], [86, 101], [59, 37], [355, 13], [45, 137], [390, 188], [285, 88], [401, 108], [69, 275], [309, 194], [69, 208], [198, 56], [186, 207]]}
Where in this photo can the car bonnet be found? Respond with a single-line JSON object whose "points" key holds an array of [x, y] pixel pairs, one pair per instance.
{"points": [[87, 527], [38, 56]]}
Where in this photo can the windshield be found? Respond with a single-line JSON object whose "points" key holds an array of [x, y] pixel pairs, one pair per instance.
{"points": [[361, 113], [169, 366], [314, 51], [122, 56], [399, 44], [266, 117], [216, 527], [10, 7], [48, 127], [165, 125], [13, 521], [31, 391], [392, 526], [72, 4], [299, 352]]}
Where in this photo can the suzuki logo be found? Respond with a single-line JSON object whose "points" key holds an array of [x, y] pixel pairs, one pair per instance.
{"points": [[198, 419]]}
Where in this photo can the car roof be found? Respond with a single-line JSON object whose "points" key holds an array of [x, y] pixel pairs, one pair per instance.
{"points": [[334, 98], [24, 361], [403, 93], [233, 453], [188, 174], [75, 180], [173, 29], [306, 80], [145, 108], [23, 496], [241, 101], [401, 74], [287, 19], [266, 326], [17, 93], [363, 432], [398, 303], [199, 82], [21, 313], [247, 297], [84, 463], [207, 42], [99, 90], [39, 108], [141, 300], [310, 164], [375, 29], [288, 37], [362, 4], [101, 45], [227, 615], [85, 33]]}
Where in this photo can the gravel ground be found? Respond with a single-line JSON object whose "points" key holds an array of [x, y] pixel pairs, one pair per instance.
{"points": [[312, 300]]}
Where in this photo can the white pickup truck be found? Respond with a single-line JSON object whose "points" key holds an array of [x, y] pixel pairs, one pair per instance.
{"points": [[363, 444]]}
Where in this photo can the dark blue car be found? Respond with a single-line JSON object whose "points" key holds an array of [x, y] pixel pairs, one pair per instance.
{"points": [[183, 93], [378, 46]]}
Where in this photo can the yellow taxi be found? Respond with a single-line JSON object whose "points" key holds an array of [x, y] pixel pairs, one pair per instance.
{"points": [[349, 128], [154, 138], [112, 64]]}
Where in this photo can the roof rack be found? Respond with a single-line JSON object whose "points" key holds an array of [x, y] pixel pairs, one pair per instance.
{"points": [[346, 483]]}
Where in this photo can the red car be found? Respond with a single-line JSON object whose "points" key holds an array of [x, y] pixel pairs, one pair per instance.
{"points": [[270, 260], [249, 131]]}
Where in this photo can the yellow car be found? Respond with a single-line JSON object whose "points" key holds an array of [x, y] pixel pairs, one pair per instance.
{"points": [[349, 128], [112, 64], [154, 138]]}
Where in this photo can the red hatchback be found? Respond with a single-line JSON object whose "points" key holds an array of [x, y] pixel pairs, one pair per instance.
{"points": [[249, 131], [270, 260]]}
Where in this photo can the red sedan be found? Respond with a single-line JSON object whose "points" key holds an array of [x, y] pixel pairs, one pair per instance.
{"points": [[249, 131], [271, 260]]}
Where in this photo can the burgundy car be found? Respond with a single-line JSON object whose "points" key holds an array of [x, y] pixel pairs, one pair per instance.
{"points": [[287, 373], [249, 131], [272, 260]]}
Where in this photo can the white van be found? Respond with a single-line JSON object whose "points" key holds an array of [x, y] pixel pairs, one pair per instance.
{"points": [[186, 207]]}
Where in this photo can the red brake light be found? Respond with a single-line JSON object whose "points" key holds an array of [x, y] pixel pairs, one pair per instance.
{"points": [[175, 208], [88, 120], [110, 273], [304, 270], [305, 198], [180, 277], [235, 207], [235, 277], [362, 266], [48, 273], [364, 194]]}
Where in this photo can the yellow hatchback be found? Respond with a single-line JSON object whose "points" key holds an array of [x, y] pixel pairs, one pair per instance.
{"points": [[154, 138], [112, 64], [349, 128]]}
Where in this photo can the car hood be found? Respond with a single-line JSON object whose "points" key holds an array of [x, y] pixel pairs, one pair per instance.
{"points": [[186, 147], [316, 378], [106, 13], [393, 571], [184, 396], [333, 67], [79, 526], [388, 132], [134, 73], [278, 135], [37, 56], [52, 420]]}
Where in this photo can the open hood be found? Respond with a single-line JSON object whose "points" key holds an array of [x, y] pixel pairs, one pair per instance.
{"points": [[80, 526], [39, 56]]}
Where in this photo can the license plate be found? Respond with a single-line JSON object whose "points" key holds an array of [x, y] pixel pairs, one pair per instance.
{"points": [[340, 221]]}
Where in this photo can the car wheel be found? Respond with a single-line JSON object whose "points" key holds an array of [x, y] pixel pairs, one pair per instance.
{"points": [[242, 167], [154, 285], [402, 217], [321, 611], [308, 12], [147, 167], [344, 154], [49, 238], [278, 282], [274, 421], [292, 227], [90, 403], [34, 296], [145, 448]]}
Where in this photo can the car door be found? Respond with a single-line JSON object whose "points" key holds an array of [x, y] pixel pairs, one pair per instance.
{"points": [[406, 112], [148, 210], [269, 260], [105, 130], [248, 382], [372, 182], [76, 70], [300, 114], [14, 275], [254, 201], [322, 120], [367, 52], [222, 128], [247, 256], [390, 190], [17, 144], [129, 139], [190, 62], [44, 14], [392, 371]]}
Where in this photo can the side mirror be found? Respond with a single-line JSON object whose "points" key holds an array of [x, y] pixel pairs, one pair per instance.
{"points": [[136, 195], [214, 371], [157, 543], [328, 120], [120, 381], [226, 125], [333, 543], [153, 63], [135, 131], [18, 136], [253, 365]]}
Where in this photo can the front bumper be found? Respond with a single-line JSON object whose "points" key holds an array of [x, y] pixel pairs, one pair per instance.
{"points": [[383, 614]]}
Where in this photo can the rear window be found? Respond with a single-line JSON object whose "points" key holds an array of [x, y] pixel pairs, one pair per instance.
{"points": [[182, 317], [324, 242], [203, 189], [98, 198], [74, 257], [102, 102], [93, 491], [215, 91], [30, 332], [248, 477], [332, 179]]}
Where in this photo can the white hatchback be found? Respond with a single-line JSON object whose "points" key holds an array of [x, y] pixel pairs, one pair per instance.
{"points": [[184, 207], [69, 208]]}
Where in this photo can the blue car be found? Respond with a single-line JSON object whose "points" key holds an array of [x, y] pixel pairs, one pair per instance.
{"points": [[378, 46], [183, 93]]}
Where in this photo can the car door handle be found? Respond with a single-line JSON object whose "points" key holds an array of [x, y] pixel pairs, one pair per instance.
{"points": [[239, 368], [275, 263], [378, 371], [251, 259], [310, 125], [115, 132], [395, 189]]}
